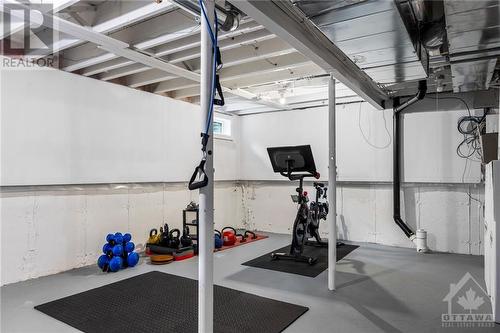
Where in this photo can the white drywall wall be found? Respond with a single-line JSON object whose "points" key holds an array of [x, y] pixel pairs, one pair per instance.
{"points": [[440, 203], [77, 130], [430, 141], [454, 221], [49, 230], [60, 128]]}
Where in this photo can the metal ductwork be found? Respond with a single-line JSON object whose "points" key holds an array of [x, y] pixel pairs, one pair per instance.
{"points": [[227, 17], [373, 34], [431, 23], [474, 42]]}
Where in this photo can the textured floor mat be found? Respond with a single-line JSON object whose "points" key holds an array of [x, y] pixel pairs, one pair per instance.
{"points": [[300, 268], [160, 302]]}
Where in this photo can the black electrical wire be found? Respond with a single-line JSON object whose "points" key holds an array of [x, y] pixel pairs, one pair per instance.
{"points": [[470, 127]]}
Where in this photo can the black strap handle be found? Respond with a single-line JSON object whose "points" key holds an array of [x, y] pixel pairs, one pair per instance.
{"points": [[219, 102], [198, 171]]}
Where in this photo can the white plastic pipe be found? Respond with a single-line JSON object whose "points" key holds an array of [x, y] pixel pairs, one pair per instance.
{"points": [[421, 240], [332, 187], [206, 204]]}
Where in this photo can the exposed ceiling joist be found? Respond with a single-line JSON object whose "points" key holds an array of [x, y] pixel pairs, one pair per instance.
{"points": [[115, 46], [234, 48], [228, 44], [309, 69], [117, 73], [148, 77], [194, 39], [107, 62], [256, 79], [250, 69], [282, 19], [252, 97], [60, 5], [133, 12], [160, 30]]}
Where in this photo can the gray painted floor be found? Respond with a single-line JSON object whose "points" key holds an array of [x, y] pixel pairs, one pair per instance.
{"points": [[379, 289]]}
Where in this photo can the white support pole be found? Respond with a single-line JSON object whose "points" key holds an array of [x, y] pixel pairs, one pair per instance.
{"points": [[206, 204], [332, 186]]}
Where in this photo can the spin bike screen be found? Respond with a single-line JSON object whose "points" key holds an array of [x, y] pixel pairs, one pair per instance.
{"points": [[300, 159]]}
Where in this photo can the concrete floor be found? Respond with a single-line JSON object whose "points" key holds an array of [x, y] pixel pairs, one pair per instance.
{"points": [[379, 289]]}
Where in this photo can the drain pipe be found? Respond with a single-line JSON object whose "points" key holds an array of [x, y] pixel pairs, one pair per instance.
{"points": [[421, 238]]}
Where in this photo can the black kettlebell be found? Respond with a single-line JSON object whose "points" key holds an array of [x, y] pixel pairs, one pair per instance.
{"points": [[165, 236], [186, 239], [174, 241]]}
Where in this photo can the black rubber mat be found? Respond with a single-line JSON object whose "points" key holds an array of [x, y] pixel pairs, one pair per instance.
{"points": [[300, 268], [159, 302]]}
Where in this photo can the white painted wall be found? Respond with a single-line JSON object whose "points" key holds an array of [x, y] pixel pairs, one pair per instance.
{"points": [[453, 221], [49, 230], [430, 141], [76, 130], [437, 189], [60, 128]]}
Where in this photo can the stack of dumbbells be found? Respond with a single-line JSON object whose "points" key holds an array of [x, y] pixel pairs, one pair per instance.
{"points": [[118, 253]]}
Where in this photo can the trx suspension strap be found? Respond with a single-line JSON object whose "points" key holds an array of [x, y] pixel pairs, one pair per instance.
{"points": [[199, 178]]}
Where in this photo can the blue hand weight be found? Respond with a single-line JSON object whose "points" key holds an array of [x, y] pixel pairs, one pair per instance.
{"points": [[115, 264], [132, 259], [117, 250], [218, 241], [127, 237], [106, 248], [129, 247], [118, 238], [102, 261]]}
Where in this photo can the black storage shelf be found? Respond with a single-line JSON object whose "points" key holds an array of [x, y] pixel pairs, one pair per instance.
{"points": [[190, 224]]}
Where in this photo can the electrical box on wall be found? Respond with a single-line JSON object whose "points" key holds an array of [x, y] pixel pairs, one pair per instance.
{"points": [[489, 140], [490, 147]]}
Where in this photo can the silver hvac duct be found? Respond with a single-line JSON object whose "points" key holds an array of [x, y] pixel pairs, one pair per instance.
{"points": [[228, 18], [430, 14]]}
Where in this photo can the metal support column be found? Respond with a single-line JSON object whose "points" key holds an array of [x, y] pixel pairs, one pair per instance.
{"points": [[206, 204], [332, 186]]}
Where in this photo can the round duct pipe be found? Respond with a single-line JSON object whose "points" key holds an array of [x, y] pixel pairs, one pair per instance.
{"points": [[228, 17], [433, 35], [430, 15]]}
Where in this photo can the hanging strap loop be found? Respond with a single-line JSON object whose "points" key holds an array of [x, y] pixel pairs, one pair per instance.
{"points": [[199, 178], [219, 101]]}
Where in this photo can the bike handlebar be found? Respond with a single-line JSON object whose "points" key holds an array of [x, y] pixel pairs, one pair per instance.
{"points": [[291, 176]]}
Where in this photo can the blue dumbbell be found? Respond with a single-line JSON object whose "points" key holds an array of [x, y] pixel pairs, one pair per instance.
{"points": [[117, 250], [132, 259], [129, 247], [107, 248], [127, 237], [103, 262], [115, 264], [118, 238]]}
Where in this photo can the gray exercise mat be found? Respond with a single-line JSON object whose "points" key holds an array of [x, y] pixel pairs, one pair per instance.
{"points": [[160, 302], [301, 268]]}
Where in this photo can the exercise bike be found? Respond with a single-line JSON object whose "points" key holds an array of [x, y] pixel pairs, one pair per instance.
{"points": [[297, 163]]}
